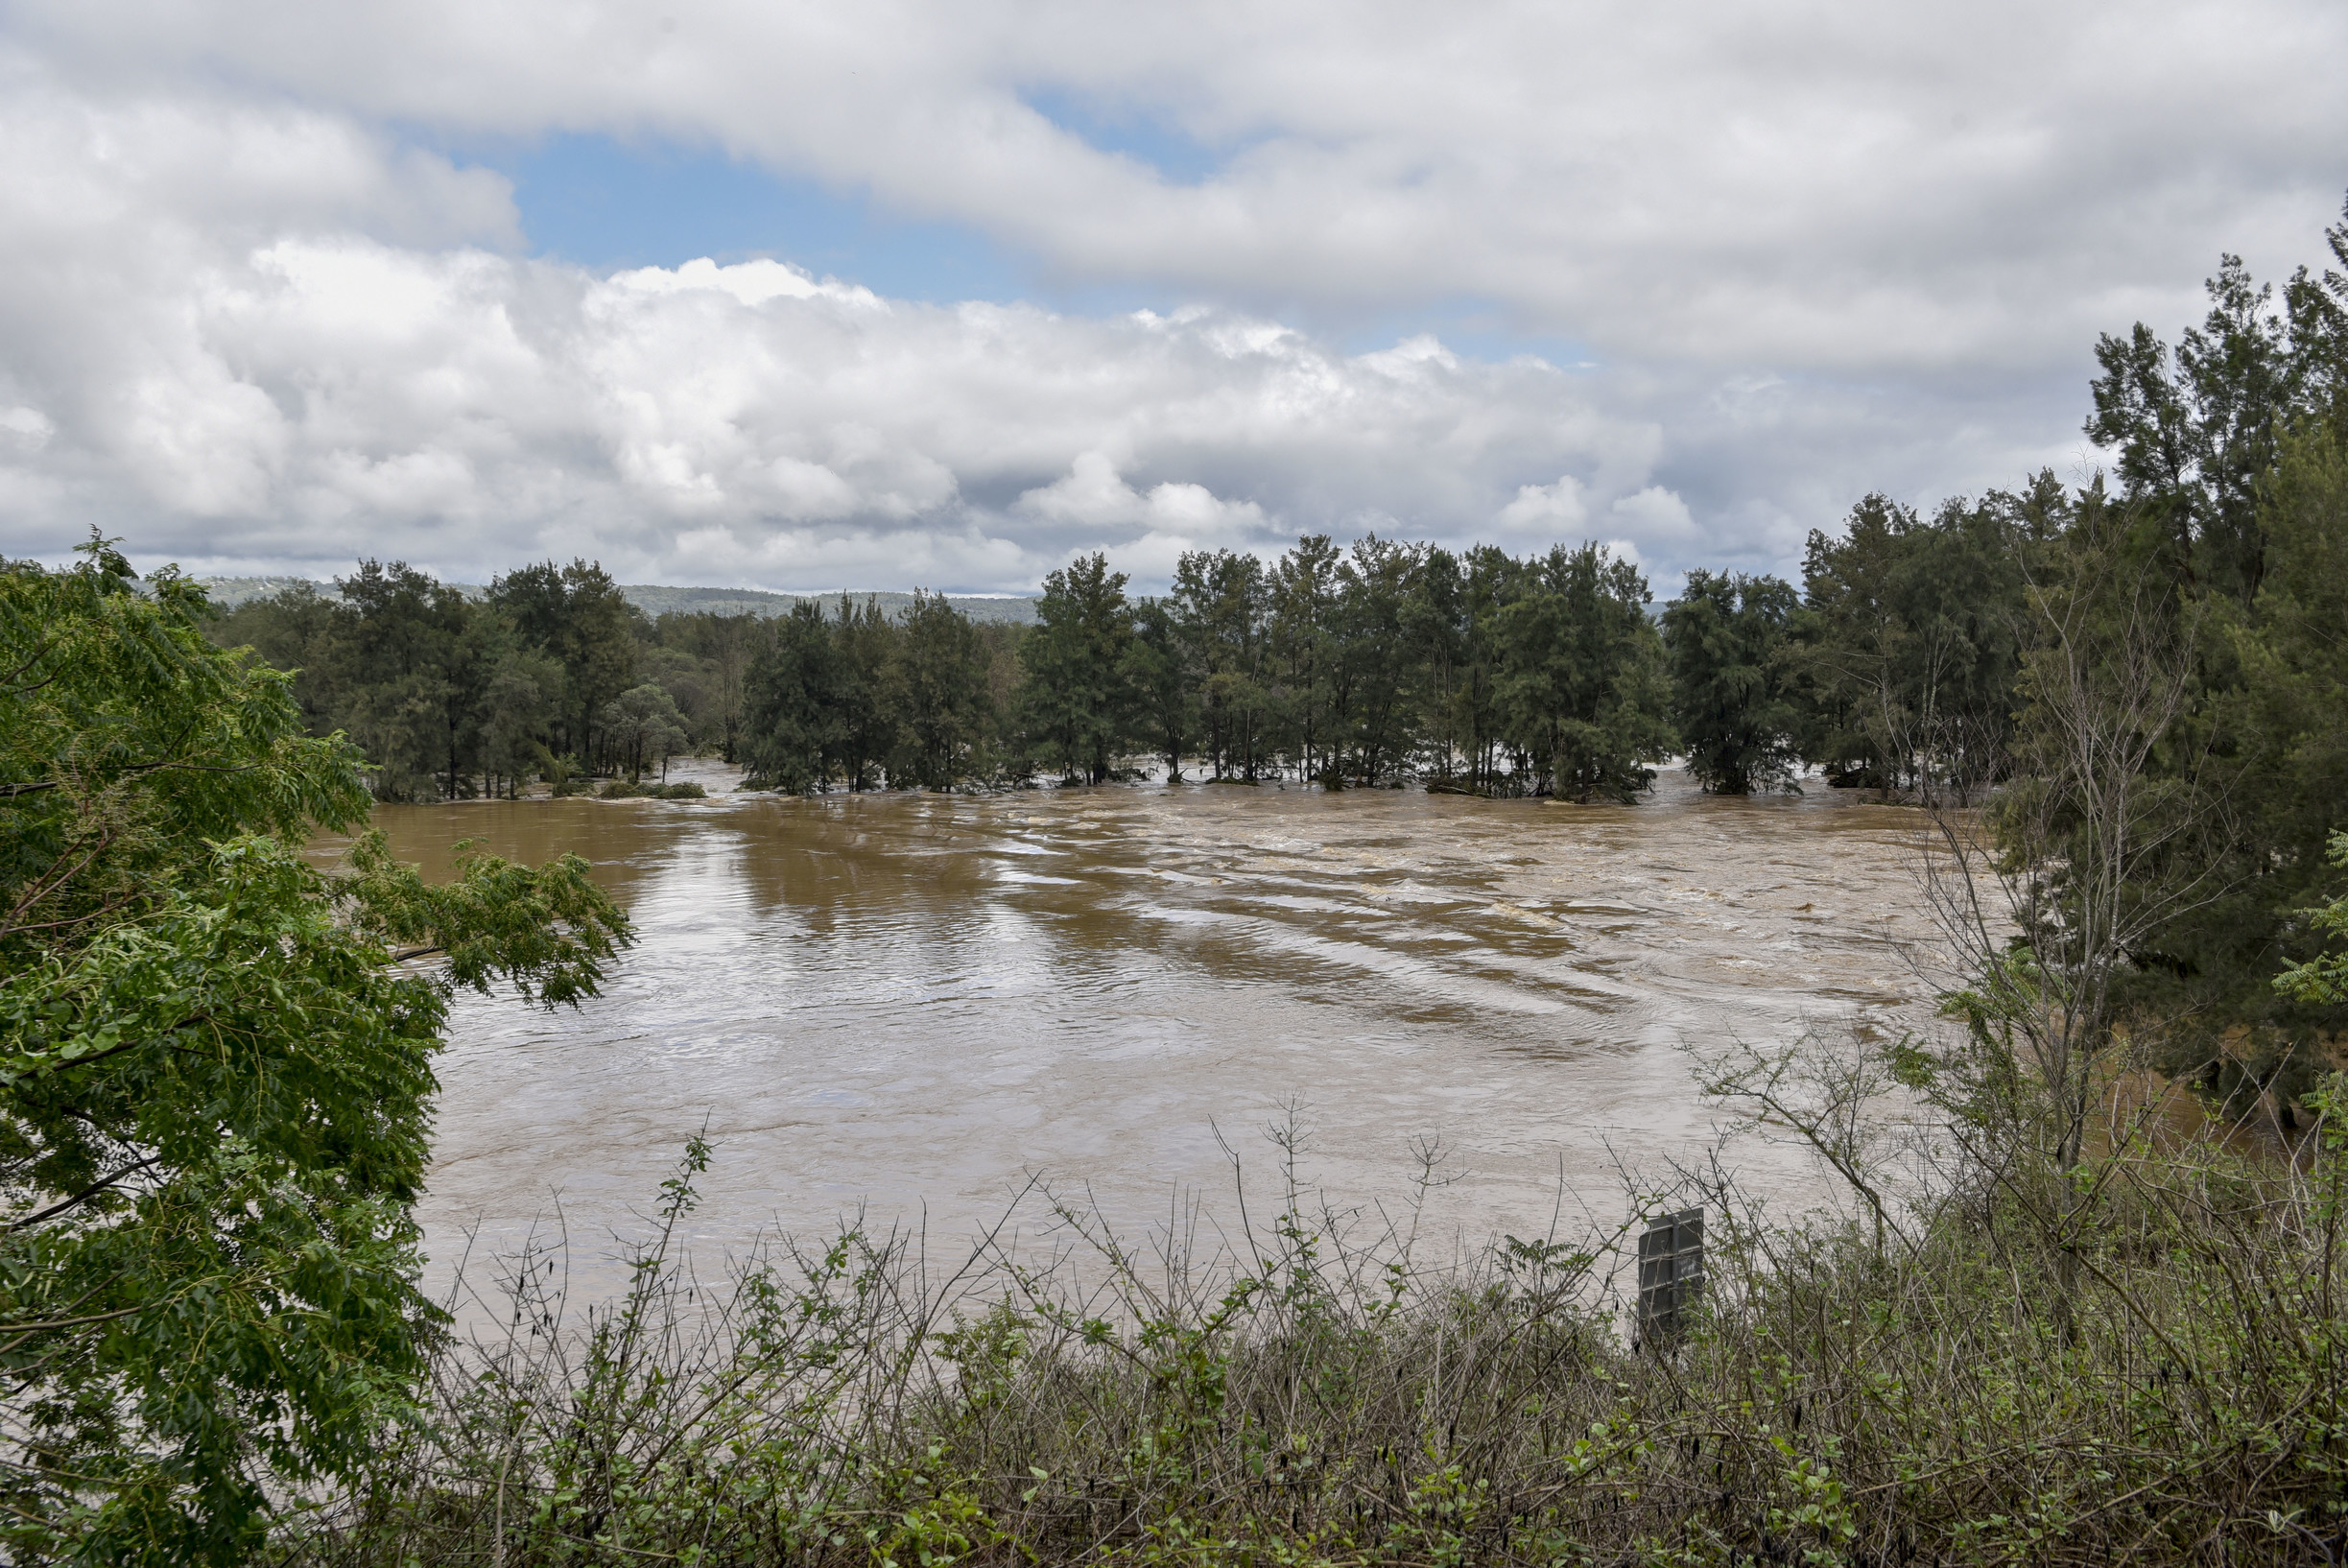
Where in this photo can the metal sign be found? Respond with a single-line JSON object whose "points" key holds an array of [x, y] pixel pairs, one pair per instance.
{"points": [[1671, 1272]]}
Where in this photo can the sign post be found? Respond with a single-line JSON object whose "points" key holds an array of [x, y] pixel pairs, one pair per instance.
{"points": [[1670, 1274]]}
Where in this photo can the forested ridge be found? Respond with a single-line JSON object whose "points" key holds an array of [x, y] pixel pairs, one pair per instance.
{"points": [[1379, 665]]}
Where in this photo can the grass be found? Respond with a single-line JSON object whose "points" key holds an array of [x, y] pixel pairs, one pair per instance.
{"points": [[1313, 1395]]}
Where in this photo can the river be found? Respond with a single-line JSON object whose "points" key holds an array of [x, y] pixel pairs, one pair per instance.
{"points": [[911, 1005]]}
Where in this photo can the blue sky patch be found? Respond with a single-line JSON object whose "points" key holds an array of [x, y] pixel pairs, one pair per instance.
{"points": [[1178, 158], [605, 203]]}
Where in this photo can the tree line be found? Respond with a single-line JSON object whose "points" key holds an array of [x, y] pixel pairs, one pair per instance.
{"points": [[1386, 663]]}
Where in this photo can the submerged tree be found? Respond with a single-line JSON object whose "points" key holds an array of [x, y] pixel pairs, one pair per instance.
{"points": [[1077, 699], [577, 615], [935, 688], [1163, 676], [1725, 636], [644, 726], [795, 703], [1220, 603], [1581, 687]]}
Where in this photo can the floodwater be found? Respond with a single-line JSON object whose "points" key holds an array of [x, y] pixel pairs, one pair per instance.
{"points": [[914, 1005]]}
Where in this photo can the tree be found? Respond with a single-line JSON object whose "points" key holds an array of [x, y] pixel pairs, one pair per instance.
{"points": [[1163, 678], [1220, 603], [293, 630], [516, 710], [1904, 656], [577, 614], [1724, 634], [2271, 713], [1376, 684], [1581, 687], [2195, 434], [395, 641], [1434, 623], [2322, 981], [1301, 638], [2099, 841], [215, 1076], [643, 724], [935, 687], [1490, 583], [794, 724], [867, 642], [726, 647], [1078, 695]]}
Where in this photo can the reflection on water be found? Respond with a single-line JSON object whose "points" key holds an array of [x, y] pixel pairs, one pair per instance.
{"points": [[912, 1001]]}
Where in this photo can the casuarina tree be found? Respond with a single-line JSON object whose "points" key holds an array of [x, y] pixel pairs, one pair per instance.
{"points": [[1722, 637]]}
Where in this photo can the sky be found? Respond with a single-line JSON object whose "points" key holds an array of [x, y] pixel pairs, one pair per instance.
{"points": [[773, 294]]}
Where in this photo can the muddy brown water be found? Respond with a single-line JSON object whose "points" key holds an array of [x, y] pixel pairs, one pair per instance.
{"points": [[910, 1005]]}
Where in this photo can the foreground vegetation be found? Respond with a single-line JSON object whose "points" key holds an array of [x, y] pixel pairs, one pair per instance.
{"points": [[1925, 1395], [215, 1078]]}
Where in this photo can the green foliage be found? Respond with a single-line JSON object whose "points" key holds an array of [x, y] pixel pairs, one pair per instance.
{"points": [[2271, 720], [1380, 683], [935, 687], [1580, 689], [1219, 601], [1725, 636], [2323, 980], [644, 726], [1904, 656], [215, 1077], [577, 616], [1162, 671], [794, 702], [2196, 440], [2233, 464], [1078, 697]]}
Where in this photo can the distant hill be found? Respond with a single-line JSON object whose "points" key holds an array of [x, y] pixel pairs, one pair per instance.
{"points": [[228, 592], [657, 600]]}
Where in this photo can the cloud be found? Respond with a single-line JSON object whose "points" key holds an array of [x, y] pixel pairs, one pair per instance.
{"points": [[1145, 535], [1558, 508], [257, 313], [1835, 185], [315, 399], [28, 429], [1653, 513]]}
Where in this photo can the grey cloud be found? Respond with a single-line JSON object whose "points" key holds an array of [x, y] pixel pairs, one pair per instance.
{"points": [[1851, 187]]}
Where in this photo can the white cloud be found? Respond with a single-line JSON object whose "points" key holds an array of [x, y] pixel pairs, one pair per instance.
{"points": [[1093, 496], [315, 399], [27, 429], [1559, 509], [1144, 535], [1653, 513]]}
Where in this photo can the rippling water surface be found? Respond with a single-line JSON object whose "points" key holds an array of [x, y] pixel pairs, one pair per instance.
{"points": [[912, 1003]]}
